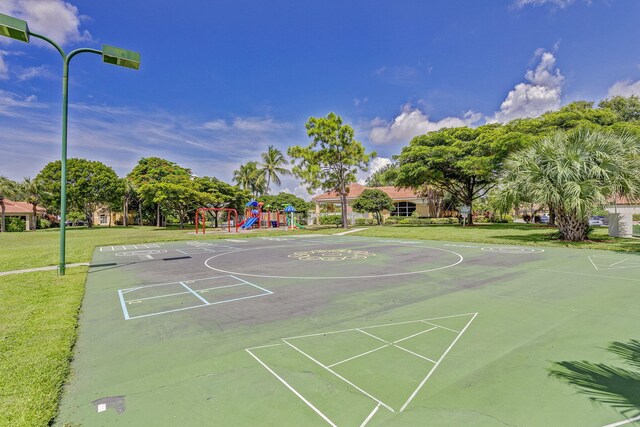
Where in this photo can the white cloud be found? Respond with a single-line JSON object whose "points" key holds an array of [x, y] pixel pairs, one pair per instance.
{"points": [[11, 102], [57, 19], [554, 3], [299, 190], [4, 68], [120, 136], [412, 122], [247, 124], [625, 88], [33, 72], [540, 92], [375, 165]]}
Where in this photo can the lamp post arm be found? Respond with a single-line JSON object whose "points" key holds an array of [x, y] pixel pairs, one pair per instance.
{"points": [[51, 42], [81, 50]]}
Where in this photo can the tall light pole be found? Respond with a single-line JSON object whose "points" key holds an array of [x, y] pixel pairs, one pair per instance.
{"points": [[19, 30]]}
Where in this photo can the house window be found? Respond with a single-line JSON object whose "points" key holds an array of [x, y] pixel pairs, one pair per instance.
{"points": [[403, 209], [103, 220]]}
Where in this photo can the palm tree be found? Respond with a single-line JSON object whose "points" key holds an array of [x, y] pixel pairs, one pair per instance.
{"points": [[33, 194], [573, 173], [248, 177], [272, 166], [7, 189]]}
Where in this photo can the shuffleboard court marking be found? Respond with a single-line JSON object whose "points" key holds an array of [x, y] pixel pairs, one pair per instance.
{"points": [[436, 364], [189, 290], [372, 276], [366, 420], [512, 250], [194, 293], [592, 275], [128, 247], [387, 344], [338, 375], [608, 262], [301, 397]]}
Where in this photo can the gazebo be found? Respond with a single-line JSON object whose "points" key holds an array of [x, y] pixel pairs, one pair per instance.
{"points": [[23, 210]]}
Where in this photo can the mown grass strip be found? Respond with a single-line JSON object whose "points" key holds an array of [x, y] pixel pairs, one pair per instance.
{"points": [[38, 327]]}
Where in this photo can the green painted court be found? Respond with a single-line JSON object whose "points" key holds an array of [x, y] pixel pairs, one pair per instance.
{"points": [[318, 330]]}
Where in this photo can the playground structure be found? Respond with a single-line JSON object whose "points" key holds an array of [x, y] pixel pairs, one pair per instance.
{"points": [[257, 217], [202, 212]]}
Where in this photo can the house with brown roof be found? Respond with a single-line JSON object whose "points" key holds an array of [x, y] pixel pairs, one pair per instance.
{"points": [[23, 210], [405, 202]]}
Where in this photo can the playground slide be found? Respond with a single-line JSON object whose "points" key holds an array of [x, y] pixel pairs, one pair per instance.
{"points": [[297, 224], [242, 223], [248, 223]]}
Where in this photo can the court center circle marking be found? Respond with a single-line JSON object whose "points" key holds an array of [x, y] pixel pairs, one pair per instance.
{"points": [[373, 276], [331, 255], [513, 250], [138, 253]]}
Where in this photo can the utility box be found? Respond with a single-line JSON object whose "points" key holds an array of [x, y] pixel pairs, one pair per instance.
{"points": [[621, 225]]}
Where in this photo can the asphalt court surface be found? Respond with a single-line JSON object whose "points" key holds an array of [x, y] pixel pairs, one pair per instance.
{"points": [[343, 330]]}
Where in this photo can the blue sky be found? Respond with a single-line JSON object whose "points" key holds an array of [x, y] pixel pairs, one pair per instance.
{"points": [[220, 81]]}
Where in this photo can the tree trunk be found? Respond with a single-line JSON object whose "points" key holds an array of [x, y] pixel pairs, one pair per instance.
{"points": [[158, 215], [125, 209], [552, 216], [35, 216], [139, 213], [343, 208], [571, 227], [2, 227], [89, 216]]}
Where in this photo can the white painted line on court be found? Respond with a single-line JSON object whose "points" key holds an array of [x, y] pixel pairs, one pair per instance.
{"points": [[592, 275], [356, 356], [593, 263], [627, 421], [186, 292], [149, 256], [195, 293], [124, 306], [414, 335], [415, 392], [264, 346], [236, 240], [619, 262], [372, 336], [366, 420], [206, 263], [442, 327], [415, 354], [339, 376], [293, 390], [355, 230]]}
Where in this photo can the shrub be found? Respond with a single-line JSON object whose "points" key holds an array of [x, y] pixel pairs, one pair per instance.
{"points": [[331, 220], [43, 224], [365, 221], [428, 221], [501, 219], [636, 217], [14, 224]]}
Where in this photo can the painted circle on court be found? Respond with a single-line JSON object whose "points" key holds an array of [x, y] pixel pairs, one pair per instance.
{"points": [[275, 262], [513, 250], [139, 253]]}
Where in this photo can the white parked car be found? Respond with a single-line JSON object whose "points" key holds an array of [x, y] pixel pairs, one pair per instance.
{"points": [[595, 221]]}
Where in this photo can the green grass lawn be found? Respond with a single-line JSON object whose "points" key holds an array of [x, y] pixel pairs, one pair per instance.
{"points": [[504, 234], [38, 322], [38, 319]]}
